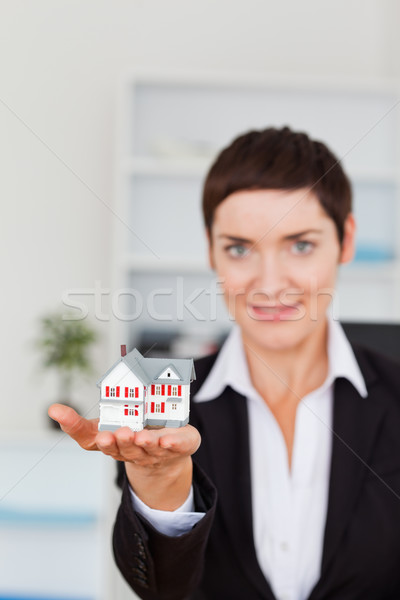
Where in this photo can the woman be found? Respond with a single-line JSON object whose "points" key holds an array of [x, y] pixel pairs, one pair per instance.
{"points": [[294, 491]]}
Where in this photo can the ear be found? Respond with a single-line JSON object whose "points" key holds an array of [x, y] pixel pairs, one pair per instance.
{"points": [[349, 236], [210, 250]]}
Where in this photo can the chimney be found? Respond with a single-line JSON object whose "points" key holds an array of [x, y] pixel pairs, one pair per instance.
{"points": [[123, 350]]}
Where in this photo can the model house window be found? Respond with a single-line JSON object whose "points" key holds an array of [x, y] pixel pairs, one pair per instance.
{"points": [[158, 408], [158, 390], [174, 406], [174, 390], [131, 393], [168, 374], [134, 412], [112, 392]]}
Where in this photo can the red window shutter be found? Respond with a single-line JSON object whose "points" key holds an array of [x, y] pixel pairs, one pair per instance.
{"points": [[117, 391], [153, 390], [169, 390], [163, 390], [126, 392], [136, 392], [162, 407], [126, 410], [152, 407], [179, 390], [107, 391]]}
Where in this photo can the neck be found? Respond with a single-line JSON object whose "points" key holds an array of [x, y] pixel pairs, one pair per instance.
{"points": [[294, 372]]}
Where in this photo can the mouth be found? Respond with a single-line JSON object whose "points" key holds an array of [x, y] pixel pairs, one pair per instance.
{"points": [[277, 312]]}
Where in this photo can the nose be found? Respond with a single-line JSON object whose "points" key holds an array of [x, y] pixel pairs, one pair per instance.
{"points": [[270, 280]]}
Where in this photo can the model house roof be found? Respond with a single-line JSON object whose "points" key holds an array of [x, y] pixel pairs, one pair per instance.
{"points": [[148, 370]]}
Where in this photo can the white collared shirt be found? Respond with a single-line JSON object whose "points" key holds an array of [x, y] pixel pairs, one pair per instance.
{"points": [[289, 506]]}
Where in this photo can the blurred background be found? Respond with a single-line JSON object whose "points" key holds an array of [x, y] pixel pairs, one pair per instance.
{"points": [[110, 114]]}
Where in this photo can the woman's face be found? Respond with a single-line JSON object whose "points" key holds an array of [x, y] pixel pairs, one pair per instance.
{"points": [[276, 253]]}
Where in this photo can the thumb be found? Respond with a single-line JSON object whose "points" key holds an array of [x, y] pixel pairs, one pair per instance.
{"points": [[79, 429]]}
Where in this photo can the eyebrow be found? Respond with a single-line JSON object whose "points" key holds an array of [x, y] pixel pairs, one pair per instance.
{"points": [[292, 236], [234, 238]]}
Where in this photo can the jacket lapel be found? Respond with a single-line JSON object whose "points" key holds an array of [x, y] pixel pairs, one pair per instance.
{"points": [[356, 421], [227, 446]]}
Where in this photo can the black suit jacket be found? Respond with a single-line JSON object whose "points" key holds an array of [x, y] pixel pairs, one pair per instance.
{"points": [[217, 559]]}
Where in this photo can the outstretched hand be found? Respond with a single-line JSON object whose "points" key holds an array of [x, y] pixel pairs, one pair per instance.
{"points": [[161, 453], [84, 431]]}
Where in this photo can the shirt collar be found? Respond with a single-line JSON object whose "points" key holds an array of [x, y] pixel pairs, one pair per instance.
{"points": [[230, 367]]}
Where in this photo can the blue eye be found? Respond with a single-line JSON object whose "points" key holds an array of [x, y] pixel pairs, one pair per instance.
{"points": [[237, 251], [302, 247]]}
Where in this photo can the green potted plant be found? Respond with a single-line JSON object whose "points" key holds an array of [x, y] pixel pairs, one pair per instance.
{"points": [[64, 343]]}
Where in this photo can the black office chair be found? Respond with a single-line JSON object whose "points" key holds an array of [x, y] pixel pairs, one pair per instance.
{"points": [[383, 337]]}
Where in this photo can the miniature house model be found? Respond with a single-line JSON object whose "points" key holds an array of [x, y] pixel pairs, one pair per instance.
{"points": [[138, 392]]}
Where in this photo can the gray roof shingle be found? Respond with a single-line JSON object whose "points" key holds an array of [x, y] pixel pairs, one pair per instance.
{"points": [[149, 369]]}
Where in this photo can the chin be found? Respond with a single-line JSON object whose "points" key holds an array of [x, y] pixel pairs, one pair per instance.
{"points": [[269, 337], [276, 335]]}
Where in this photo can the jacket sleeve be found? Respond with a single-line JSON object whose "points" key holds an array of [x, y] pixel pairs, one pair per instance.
{"points": [[156, 566]]}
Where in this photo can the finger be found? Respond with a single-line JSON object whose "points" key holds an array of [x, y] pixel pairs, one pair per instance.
{"points": [[106, 443], [125, 437], [185, 440], [81, 430], [181, 439], [128, 448], [148, 439], [141, 448]]}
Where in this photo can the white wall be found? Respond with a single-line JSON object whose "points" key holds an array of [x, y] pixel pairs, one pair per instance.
{"points": [[59, 65]]}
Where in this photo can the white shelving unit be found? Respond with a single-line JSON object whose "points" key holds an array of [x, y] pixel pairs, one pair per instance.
{"points": [[171, 125], [55, 528]]}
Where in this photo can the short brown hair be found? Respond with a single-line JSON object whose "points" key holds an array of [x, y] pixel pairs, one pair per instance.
{"points": [[278, 159]]}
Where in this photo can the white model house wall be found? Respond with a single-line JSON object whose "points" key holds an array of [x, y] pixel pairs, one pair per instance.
{"points": [[113, 408], [168, 409], [185, 400]]}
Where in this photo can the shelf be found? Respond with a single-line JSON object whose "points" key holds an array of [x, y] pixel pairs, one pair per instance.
{"points": [[360, 270], [166, 167], [42, 597], [274, 80], [12, 518], [197, 166], [142, 264], [378, 176]]}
